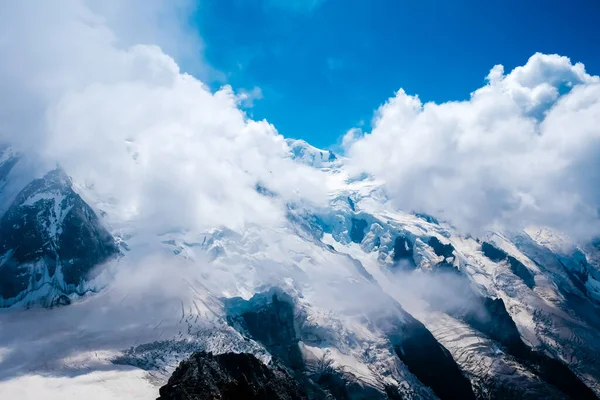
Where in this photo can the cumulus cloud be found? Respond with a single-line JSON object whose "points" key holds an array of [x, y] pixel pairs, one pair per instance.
{"points": [[246, 98], [97, 88], [523, 150], [350, 138], [82, 89]]}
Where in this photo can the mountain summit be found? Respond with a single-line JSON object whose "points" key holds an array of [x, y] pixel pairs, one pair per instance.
{"points": [[350, 300]]}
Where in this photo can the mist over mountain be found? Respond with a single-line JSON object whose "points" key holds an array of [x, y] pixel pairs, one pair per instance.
{"points": [[155, 240]]}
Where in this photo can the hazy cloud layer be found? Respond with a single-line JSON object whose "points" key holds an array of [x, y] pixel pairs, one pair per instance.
{"points": [[126, 123], [93, 87], [525, 149]]}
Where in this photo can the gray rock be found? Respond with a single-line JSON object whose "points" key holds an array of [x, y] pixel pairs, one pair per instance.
{"points": [[49, 232]]}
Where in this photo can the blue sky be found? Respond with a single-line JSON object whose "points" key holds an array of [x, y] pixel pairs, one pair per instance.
{"points": [[324, 66]]}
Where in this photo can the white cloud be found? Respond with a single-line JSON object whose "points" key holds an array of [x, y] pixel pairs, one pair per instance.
{"points": [[123, 118], [246, 98], [525, 149], [350, 138], [82, 87]]}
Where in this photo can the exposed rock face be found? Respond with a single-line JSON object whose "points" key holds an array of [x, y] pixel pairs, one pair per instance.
{"points": [[429, 361], [336, 338], [490, 317], [403, 250], [357, 232], [428, 218], [229, 376], [556, 373], [269, 321], [446, 251], [443, 250], [50, 236], [517, 267]]}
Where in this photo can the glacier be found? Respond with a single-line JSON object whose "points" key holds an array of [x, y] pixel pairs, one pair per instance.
{"points": [[393, 302]]}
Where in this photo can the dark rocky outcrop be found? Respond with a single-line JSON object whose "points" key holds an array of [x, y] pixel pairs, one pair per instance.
{"points": [[269, 319], [351, 204], [49, 226], [492, 252], [577, 278], [402, 249], [229, 376], [339, 386], [497, 255], [357, 231], [403, 254], [489, 316], [521, 271], [558, 374], [578, 270], [428, 218], [441, 249], [429, 361]]}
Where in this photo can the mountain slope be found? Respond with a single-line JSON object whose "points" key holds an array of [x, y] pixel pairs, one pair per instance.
{"points": [[50, 240], [352, 300], [229, 376]]}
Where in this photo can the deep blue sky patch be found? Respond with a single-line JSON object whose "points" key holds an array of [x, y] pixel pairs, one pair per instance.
{"points": [[324, 66]]}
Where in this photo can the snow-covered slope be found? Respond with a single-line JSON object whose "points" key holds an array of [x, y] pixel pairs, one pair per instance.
{"points": [[311, 156], [356, 298], [50, 240]]}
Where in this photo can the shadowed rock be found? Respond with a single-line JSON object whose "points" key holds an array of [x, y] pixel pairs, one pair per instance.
{"points": [[430, 362], [497, 255], [229, 376], [357, 231], [269, 319], [50, 226], [443, 250], [403, 253]]}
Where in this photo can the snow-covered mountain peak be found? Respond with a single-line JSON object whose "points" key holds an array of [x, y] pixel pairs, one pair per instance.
{"points": [[303, 152], [50, 239], [375, 294]]}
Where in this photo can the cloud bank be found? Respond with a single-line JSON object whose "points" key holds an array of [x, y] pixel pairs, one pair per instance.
{"points": [[127, 124], [94, 87], [523, 150]]}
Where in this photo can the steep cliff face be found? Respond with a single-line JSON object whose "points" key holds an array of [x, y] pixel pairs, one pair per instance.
{"points": [[50, 240], [420, 351], [516, 266], [270, 318]]}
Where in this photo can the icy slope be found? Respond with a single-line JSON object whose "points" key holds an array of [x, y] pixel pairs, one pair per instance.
{"points": [[50, 240], [354, 299]]}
